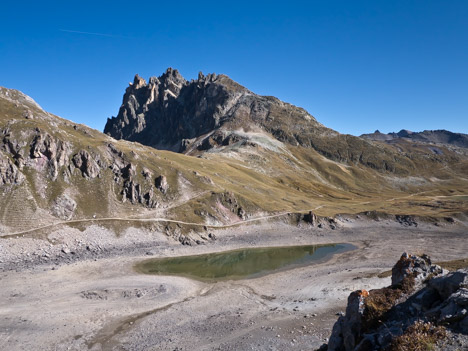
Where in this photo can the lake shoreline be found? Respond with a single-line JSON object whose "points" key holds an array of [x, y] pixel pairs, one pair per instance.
{"points": [[100, 303], [229, 264]]}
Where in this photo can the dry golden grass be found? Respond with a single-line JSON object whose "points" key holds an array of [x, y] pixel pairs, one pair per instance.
{"points": [[420, 336], [454, 264], [297, 180], [380, 301]]}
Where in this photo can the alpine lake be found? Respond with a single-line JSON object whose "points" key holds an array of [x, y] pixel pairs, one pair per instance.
{"points": [[238, 264]]}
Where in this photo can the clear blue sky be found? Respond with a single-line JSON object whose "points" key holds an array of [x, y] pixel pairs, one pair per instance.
{"points": [[356, 66]]}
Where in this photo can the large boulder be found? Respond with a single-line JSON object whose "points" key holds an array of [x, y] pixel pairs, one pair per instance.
{"points": [[86, 164], [64, 207], [420, 267], [9, 173], [347, 330], [451, 283]]}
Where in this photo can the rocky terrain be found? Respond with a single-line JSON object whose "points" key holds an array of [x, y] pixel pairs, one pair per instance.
{"points": [[424, 308], [87, 296], [171, 113]]}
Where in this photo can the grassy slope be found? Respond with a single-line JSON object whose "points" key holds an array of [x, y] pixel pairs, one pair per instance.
{"points": [[261, 181]]}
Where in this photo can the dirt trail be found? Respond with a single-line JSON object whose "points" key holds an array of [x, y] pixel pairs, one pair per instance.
{"points": [[132, 219], [167, 220]]}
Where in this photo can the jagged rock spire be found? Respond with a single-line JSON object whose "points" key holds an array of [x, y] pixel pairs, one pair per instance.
{"points": [[173, 114]]}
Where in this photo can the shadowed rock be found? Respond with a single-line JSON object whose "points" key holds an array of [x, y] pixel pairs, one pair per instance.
{"points": [[9, 173], [161, 184], [172, 113], [213, 111], [86, 164]]}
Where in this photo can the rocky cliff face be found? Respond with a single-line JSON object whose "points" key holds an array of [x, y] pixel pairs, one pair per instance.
{"points": [[172, 113], [53, 169]]}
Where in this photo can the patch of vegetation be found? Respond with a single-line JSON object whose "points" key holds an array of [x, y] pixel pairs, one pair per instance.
{"points": [[380, 302], [454, 264], [420, 336], [296, 179]]}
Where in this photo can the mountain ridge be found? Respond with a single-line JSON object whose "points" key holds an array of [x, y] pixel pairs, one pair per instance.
{"points": [[439, 136], [192, 109], [213, 112], [54, 170]]}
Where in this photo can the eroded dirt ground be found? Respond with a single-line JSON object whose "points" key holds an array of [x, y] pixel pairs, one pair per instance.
{"points": [[96, 301]]}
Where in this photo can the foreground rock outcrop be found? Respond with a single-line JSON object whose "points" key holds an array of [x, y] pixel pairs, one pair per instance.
{"points": [[423, 306]]}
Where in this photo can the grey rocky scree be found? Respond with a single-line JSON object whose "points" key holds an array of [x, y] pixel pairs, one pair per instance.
{"points": [[64, 207], [420, 292]]}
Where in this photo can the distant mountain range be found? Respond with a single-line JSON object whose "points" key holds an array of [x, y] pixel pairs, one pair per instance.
{"points": [[427, 136]]}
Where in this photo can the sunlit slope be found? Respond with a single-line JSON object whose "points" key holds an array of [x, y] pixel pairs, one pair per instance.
{"points": [[53, 170]]}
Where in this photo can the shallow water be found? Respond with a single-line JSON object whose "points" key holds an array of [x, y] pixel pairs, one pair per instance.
{"points": [[241, 263]]}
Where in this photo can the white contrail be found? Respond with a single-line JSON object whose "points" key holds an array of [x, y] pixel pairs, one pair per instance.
{"points": [[90, 33]]}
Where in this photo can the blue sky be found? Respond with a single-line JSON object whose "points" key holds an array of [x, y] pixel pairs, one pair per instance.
{"points": [[356, 66]]}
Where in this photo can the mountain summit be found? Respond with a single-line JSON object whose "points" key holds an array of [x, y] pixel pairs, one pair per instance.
{"points": [[213, 113], [174, 114]]}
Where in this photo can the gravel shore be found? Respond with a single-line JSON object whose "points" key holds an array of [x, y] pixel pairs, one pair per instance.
{"points": [[77, 290]]}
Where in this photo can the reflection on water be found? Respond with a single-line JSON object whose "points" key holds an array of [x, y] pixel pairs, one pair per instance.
{"points": [[240, 264]]}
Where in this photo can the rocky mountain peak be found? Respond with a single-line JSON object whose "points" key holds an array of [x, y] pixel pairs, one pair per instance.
{"points": [[172, 75], [172, 113], [171, 80], [214, 113], [404, 133], [138, 82]]}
